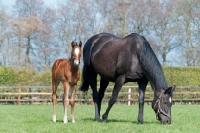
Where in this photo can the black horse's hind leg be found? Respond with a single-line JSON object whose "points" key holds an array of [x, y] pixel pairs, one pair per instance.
{"points": [[142, 87], [118, 85], [93, 84], [103, 85]]}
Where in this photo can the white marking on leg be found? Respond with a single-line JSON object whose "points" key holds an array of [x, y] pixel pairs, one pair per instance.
{"points": [[54, 118], [65, 119], [73, 121]]}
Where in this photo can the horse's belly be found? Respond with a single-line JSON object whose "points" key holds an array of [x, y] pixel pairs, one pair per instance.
{"points": [[134, 77]]}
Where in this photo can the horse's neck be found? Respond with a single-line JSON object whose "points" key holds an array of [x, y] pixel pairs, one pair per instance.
{"points": [[158, 82], [157, 88]]}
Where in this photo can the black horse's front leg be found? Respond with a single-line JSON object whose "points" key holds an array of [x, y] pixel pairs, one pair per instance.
{"points": [[142, 87], [118, 85], [103, 85]]}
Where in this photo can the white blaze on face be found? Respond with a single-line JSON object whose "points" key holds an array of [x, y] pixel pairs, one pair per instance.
{"points": [[77, 51], [170, 99], [76, 62]]}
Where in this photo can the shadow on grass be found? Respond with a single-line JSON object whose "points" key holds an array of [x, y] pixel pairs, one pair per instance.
{"points": [[120, 120]]}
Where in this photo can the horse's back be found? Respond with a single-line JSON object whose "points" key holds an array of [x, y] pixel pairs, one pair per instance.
{"points": [[111, 56], [59, 63]]}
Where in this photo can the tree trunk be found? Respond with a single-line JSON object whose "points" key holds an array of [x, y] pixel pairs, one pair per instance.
{"points": [[27, 58]]}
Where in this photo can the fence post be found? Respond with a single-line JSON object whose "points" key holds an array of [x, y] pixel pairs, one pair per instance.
{"points": [[30, 96], [19, 95], [129, 96]]}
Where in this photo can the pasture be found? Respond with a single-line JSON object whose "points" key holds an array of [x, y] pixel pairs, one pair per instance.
{"points": [[122, 118]]}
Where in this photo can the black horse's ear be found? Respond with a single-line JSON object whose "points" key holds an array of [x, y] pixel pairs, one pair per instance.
{"points": [[72, 44], [80, 44], [170, 90]]}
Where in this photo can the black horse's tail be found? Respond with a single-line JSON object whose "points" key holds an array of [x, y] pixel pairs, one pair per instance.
{"points": [[85, 79], [86, 68]]}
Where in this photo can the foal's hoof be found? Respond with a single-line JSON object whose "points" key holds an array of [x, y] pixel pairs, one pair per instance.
{"points": [[65, 120], [73, 121], [54, 118]]}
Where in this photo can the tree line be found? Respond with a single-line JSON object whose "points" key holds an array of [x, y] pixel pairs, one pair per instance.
{"points": [[33, 34]]}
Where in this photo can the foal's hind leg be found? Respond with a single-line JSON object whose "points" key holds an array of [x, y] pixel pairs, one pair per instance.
{"points": [[72, 101], [65, 101]]}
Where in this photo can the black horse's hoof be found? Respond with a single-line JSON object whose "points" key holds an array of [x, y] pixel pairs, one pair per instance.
{"points": [[140, 122], [104, 117], [104, 121], [97, 119]]}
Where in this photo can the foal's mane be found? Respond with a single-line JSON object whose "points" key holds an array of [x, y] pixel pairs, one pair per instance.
{"points": [[151, 66]]}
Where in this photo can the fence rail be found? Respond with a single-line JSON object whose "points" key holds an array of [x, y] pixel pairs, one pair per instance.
{"points": [[129, 99]]}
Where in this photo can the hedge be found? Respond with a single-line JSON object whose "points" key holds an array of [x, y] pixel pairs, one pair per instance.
{"points": [[11, 76], [179, 76]]}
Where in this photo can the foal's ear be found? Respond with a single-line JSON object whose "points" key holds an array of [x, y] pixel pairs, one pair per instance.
{"points": [[80, 44], [73, 44], [170, 90]]}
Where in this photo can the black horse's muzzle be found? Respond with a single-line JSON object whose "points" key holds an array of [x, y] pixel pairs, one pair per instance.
{"points": [[161, 115]]}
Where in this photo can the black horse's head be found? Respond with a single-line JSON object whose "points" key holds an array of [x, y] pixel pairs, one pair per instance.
{"points": [[162, 105]]}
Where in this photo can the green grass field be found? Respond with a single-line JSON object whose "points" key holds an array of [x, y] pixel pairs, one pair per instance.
{"points": [[122, 119]]}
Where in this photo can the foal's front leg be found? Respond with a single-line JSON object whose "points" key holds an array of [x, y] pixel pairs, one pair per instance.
{"points": [[54, 100], [65, 101], [72, 102]]}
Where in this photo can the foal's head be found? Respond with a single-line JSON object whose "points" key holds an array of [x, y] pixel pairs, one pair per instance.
{"points": [[76, 53], [162, 105]]}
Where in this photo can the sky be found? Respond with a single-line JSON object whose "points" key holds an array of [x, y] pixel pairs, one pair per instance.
{"points": [[10, 3]]}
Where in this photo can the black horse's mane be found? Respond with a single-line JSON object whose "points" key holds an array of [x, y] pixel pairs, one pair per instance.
{"points": [[152, 66]]}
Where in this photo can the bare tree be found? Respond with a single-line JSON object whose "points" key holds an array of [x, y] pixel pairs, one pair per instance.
{"points": [[114, 16], [163, 25], [46, 43], [188, 17], [29, 12], [5, 19], [139, 15]]}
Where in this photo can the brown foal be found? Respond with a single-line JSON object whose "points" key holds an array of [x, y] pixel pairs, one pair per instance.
{"points": [[67, 72]]}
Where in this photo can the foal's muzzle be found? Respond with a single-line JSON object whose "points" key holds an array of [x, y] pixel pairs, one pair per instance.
{"points": [[76, 63]]}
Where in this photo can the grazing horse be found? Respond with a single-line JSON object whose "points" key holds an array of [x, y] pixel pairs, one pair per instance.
{"points": [[121, 60], [67, 72]]}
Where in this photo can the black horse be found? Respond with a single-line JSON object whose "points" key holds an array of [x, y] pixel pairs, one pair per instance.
{"points": [[121, 60]]}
